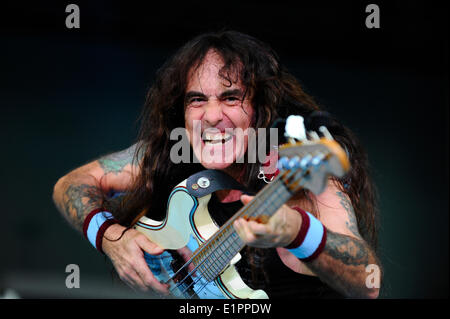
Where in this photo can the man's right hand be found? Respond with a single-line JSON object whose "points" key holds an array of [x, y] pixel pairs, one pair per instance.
{"points": [[127, 256]]}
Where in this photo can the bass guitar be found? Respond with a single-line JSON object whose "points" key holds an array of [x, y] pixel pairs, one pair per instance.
{"points": [[209, 270]]}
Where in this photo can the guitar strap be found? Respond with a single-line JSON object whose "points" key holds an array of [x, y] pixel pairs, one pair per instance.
{"points": [[209, 181]]}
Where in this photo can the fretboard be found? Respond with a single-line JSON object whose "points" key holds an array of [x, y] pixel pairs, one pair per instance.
{"points": [[219, 250]]}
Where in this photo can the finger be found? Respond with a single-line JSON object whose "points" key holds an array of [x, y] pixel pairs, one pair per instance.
{"points": [[133, 280], [186, 253], [238, 228], [148, 246], [244, 231], [258, 229], [245, 199], [143, 269], [147, 277]]}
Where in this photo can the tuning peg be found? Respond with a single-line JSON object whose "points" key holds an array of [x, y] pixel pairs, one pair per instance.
{"points": [[314, 135], [305, 161], [283, 163], [316, 160], [295, 128], [294, 162], [326, 133]]}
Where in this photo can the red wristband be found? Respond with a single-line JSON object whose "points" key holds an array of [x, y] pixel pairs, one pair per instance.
{"points": [[95, 225], [311, 238], [303, 229]]}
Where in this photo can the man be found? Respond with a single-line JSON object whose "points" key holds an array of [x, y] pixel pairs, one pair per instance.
{"points": [[227, 80]]}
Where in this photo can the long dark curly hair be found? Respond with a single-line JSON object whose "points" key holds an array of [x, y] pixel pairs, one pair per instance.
{"points": [[273, 92]]}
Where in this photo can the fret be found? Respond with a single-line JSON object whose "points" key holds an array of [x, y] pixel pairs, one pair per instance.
{"points": [[214, 267], [270, 205], [226, 243], [232, 244], [206, 261], [221, 249], [218, 255], [215, 262], [204, 271], [223, 262], [208, 272]]}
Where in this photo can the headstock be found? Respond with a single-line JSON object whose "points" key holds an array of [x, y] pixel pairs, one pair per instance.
{"points": [[307, 160]]}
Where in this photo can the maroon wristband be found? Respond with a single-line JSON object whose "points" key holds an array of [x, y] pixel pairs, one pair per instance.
{"points": [[303, 229], [299, 239], [95, 225], [87, 220], [101, 232]]}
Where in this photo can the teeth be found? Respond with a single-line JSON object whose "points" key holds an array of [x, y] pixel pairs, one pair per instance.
{"points": [[216, 138]]}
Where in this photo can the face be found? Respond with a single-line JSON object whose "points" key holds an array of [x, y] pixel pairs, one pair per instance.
{"points": [[216, 117]]}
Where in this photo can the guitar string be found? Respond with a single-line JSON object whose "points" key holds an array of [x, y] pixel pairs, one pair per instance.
{"points": [[206, 259], [306, 170], [202, 272], [206, 282], [262, 194], [265, 193], [264, 202], [260, 199]]}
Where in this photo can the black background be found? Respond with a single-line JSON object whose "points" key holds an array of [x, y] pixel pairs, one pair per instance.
{"points": [[68, 96]]}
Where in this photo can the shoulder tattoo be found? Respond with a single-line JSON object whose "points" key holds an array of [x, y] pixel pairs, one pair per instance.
{"points": [[116, 162]]}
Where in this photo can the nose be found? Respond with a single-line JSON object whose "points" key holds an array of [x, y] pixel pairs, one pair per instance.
{"points": [[213, 112]]}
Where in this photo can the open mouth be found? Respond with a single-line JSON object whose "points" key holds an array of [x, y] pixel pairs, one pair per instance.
{"points": [[221, 138]]}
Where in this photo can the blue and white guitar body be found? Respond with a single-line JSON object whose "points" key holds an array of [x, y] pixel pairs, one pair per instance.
{"points": [[188, 224]]}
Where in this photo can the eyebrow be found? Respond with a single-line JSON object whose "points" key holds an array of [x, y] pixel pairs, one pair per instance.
{"points": [[235, 92], [224, 94]]}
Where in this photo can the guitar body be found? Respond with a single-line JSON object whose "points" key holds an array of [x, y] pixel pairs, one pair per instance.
{"points": [[189, 224]]}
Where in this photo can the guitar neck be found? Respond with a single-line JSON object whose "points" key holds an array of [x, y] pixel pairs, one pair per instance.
{"points": [[220, 249], [264, 204]]}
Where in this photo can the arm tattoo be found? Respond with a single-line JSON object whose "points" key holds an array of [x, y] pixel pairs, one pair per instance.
{"points": [[347, 250], [352, 223], [343, 260], [342, 264], [115, 162], [79, 200]]}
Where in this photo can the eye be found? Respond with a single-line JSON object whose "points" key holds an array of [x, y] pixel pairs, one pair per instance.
{"points": [[195, 101], [232, 100]]}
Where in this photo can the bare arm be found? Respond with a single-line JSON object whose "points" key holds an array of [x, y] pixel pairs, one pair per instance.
{"points": [[343, 261], [342, 264], [82, 190]]}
